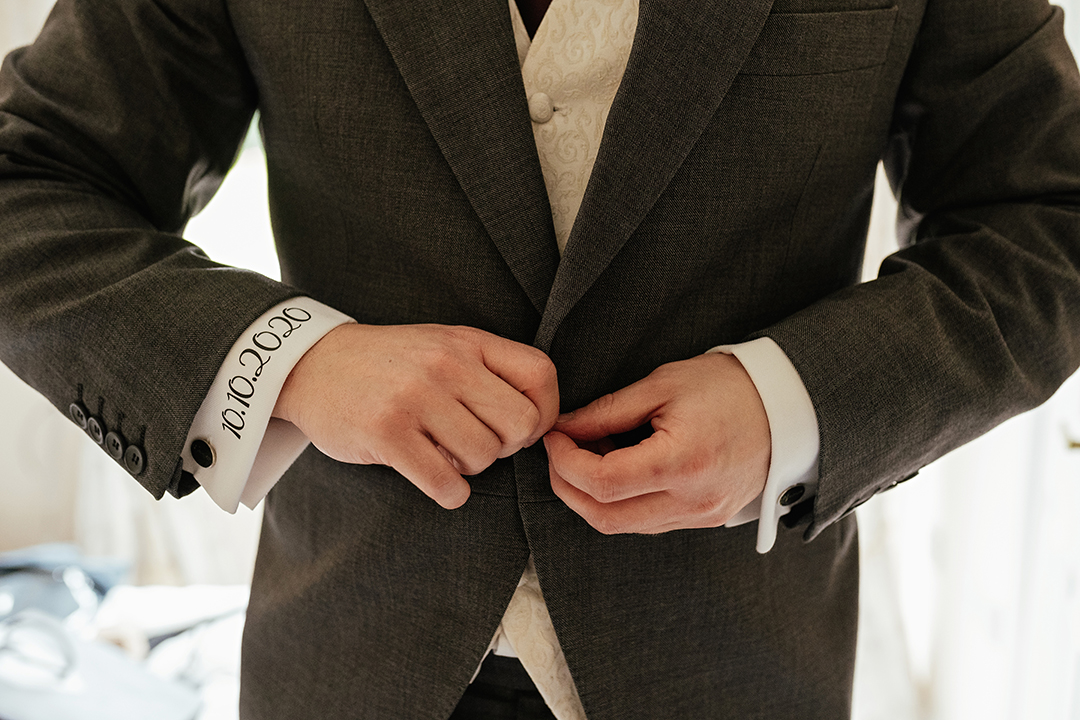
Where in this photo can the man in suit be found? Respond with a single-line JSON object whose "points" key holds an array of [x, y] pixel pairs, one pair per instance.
{"points": [[409, 188]]}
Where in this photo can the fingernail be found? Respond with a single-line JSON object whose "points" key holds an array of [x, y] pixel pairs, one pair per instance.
{"points": [[565, 417]]}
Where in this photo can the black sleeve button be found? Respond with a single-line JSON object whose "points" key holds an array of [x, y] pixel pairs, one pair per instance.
{"points": [[202, 453], [114, 445], [95, 429], [78, 413], [134, 459]]}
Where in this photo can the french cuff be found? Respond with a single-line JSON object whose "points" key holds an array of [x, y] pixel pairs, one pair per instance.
{"points": [[234, 448], [793, 469]]}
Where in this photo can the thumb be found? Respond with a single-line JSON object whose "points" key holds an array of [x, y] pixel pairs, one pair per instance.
{"points": [[614, 413]]}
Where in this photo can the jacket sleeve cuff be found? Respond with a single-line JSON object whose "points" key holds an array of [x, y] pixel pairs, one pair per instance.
{"points": [[793, 470], [234, 449]]}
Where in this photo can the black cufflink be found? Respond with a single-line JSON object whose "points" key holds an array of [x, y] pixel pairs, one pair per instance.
{"points": [[798, 515], [792, 495], [202, 453]]}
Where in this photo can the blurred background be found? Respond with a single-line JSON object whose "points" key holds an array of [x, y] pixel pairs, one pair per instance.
{"points": [[971, 573]]}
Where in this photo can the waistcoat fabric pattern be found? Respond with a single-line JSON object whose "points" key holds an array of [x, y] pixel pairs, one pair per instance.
{"points": [[577, 59]]}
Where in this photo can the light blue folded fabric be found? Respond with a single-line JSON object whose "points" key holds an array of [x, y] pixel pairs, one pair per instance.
{"points": [[46, 673]]}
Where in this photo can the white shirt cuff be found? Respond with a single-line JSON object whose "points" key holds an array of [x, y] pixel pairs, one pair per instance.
{"points": [[235, 449], [794, 429]]}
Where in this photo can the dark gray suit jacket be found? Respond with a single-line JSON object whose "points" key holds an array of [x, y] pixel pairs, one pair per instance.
{"points": [[730, 199]]}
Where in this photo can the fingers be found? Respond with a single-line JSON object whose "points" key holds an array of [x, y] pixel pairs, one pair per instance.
{"points": [[434, 402], [470, 443], [623, 497], [708, 456], [530, 372], [425, 467], [635, 515], [618, 475], [615, 413], [511, 416], [479, 397]]}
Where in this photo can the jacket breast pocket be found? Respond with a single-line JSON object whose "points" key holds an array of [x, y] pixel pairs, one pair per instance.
{"points": [[817, 43]]}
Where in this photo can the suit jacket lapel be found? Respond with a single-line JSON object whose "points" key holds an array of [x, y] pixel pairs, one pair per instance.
{"points": [[684, 58], [460, 63]]}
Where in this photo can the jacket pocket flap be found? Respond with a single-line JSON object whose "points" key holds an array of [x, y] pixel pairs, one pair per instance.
{"points": [[822, 42]]}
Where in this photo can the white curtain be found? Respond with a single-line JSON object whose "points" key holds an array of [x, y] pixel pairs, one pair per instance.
{"points": [[971, 572]]}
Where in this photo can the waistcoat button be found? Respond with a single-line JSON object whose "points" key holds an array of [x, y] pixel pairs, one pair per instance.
{"points": [[540, 108]]}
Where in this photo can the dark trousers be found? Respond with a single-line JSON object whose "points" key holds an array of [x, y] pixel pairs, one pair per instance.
{"points": [[502, 691]]}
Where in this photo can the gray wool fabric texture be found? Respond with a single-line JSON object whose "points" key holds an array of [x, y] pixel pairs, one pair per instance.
{"points": [[730, 200]]}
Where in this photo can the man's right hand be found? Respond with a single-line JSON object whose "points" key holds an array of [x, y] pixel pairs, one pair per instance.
{"points": [[432, 401]]}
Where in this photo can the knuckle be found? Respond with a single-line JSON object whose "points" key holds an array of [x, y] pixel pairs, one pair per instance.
{"points": [[483, 451], [604, 488], [406, 397], [469, 465], [663, 376], [543, 369], [606, 525], [490, 445], [699, 465], [389, 419], [442, 487], [525, 424], [461, 339], [451, 334], [605, 403], [707, 505], [441, 480], [441, 360]]}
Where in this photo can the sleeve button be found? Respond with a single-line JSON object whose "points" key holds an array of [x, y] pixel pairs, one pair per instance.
{"points": [[114, 445], [78, 413], [134, 459], [95, 429]]}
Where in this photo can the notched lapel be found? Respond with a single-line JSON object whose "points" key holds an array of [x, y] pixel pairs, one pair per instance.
{"points": [[460, 64], [684, 58]]}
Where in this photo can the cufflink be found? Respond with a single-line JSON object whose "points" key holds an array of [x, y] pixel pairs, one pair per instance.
{"points": [[792, 495], [202, 453]]}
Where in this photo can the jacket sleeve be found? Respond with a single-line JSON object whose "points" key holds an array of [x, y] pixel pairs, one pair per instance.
{"points": [[116, 126], [977, 317]]}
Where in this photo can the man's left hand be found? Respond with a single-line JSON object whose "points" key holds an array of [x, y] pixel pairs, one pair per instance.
{"points": [[707, 457]]}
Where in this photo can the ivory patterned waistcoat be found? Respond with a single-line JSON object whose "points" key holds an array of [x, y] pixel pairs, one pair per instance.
{"points": [[571, 70]]}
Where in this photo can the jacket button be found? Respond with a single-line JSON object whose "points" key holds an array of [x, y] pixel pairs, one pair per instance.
{"points": [[78, 413], [95, 429], [202, 453], [134, 459], [792, 495], [540, 108], [114, 445]]}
